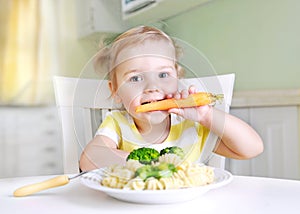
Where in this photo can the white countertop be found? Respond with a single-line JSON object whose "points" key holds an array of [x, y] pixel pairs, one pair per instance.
{"points": [[261, 98], [242, 195]]}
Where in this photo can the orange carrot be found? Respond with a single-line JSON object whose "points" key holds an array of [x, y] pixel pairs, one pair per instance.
{"points": [[197, 99]]}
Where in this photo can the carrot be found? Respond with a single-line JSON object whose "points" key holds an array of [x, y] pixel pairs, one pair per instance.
{"points": [[197, 99]]}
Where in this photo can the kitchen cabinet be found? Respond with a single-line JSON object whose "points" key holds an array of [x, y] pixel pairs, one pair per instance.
{"points": [[277, 122], [157, 10], [108, 17], [30, 141], [99, 16]]}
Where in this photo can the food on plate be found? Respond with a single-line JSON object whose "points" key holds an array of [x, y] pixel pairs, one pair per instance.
{"points": [[144, 155], [173, 150], [158, 171], [197, 99], [169, 171]]}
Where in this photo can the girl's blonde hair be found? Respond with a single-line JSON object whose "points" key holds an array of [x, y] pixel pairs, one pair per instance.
{"points": [[105, 59]]}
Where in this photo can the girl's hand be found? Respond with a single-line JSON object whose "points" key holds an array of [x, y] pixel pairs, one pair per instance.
{"points": [[198, 114]]}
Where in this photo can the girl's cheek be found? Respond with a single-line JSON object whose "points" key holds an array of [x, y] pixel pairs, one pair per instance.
{"points": [[130, 102]]}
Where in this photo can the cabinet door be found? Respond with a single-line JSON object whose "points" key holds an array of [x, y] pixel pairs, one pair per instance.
{"points": [[278, 127], [99, 16], [2, 143], [30, 141]]}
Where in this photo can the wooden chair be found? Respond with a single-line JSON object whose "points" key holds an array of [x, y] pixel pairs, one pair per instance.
{"points": [[82, 103]]}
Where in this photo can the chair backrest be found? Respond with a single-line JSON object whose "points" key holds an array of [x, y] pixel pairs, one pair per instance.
{"points": [[82, 103]]}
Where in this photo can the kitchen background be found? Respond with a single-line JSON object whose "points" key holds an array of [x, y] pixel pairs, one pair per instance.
{"points": [[257, 40]]}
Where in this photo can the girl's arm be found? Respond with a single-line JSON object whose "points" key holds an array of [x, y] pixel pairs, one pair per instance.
{"points": [[237, 139], [101, 152]]}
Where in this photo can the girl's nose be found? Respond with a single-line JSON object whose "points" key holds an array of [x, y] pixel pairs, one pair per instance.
{"points": [[151, 86], [152, 83], [151, 90]]}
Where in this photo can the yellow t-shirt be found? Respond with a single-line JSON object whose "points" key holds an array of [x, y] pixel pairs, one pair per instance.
{"points": [[187, 134]]}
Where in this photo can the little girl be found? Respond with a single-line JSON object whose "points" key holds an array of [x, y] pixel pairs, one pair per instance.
{"points": [[142, 67]]}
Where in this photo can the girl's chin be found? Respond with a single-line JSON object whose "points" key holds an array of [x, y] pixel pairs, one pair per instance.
{"points": [[156, 113], [157, 116]]}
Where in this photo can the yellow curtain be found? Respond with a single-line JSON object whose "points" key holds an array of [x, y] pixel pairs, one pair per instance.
{"points": [[21, 74]]}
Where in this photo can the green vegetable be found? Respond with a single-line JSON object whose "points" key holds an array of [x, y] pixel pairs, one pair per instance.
{"points": [[173, 150], [160, 171], [144, 172], [144, 155], [165, 169]]}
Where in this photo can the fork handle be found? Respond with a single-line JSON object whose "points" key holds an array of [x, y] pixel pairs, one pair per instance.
{"points": [[37, 187]]}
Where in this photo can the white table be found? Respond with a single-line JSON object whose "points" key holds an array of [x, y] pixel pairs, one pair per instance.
{"points": [[242, 195]]}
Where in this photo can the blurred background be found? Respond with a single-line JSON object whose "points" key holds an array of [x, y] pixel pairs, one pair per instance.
{"points": [[256, 40]]}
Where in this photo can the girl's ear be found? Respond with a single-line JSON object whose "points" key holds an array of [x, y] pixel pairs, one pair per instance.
{"points": [[117, 98], [114, 95], [110, 85]]}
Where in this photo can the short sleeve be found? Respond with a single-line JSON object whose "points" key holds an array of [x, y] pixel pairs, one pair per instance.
{"points": [[110, 128], [203, 133]]}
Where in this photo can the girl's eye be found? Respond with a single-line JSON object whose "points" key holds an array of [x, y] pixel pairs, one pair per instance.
{"points": [[135, 78], [163, 75]]}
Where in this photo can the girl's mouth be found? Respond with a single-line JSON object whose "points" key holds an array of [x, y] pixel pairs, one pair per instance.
{"points": [[152, 101]]}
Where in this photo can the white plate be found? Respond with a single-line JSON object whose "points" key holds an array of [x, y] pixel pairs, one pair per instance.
{"points": [[93, 180]]}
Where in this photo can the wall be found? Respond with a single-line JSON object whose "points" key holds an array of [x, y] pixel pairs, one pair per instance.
{"points": [[74, 53], [257, 40]]}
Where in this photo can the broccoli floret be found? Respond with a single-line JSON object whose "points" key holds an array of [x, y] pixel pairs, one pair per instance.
{"points": [[165, 170], [144, 155], [144, 172], [173, 150], [160, 171]]}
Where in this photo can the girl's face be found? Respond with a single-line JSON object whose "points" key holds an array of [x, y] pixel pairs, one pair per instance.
{"points": [[145, 79]]}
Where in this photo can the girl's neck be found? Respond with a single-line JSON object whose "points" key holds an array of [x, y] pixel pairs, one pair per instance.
{"points": [[155, 134]]}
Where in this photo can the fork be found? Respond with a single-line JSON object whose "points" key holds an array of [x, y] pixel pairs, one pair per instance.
{"points": [[47, 184]]}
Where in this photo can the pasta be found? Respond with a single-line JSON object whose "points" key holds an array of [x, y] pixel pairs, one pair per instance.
{"points": [[153, 184], [170, 158], [171, 183], [118, 176], [135, 184], [133, 165], [186, 175]]}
